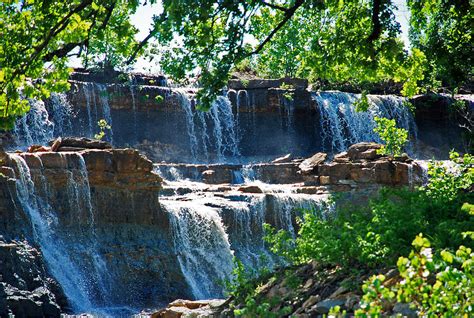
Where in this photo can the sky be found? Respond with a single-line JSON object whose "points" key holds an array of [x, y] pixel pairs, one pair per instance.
{"points": [[142, 19]]}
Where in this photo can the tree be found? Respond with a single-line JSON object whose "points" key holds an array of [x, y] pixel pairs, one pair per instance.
{"points": [[36, 39], [352, 41], [442, 29]]}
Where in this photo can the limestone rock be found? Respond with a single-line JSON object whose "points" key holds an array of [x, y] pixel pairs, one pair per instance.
{"points": [[364, 151], [190, 308], [309, 165], [250, 189], [82, 142]]}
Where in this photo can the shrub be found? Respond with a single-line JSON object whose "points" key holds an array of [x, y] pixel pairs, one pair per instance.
{"points": [[433, 286], [103, 127], [393, 137], [382, 231]]}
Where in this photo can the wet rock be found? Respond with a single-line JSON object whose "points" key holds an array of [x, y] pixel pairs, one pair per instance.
{"points": [[363, 151], [250, 189], [341, 157], [83, 142], [25, 288], [309, 165], [217, 175], [190, 308]]}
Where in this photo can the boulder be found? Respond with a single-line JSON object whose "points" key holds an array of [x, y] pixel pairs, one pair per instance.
{"points": [[363, 151], [82, 142], [250, 189], [309, 165]]}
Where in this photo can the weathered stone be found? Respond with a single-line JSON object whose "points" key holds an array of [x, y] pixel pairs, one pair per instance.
{"points": [[341, 157], [83, 142], [313, 299], [190, 308], [38, 148], [250, 189], [309, 165], [56, 144], [363, 151], [325, 180]]}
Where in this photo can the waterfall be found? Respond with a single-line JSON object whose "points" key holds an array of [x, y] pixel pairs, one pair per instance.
{"points": [[89, 95], [342, 126], [201, 245], [62, 112], [185, 103], [73, 260], [64, 270], [35, 127], [215, 130]]}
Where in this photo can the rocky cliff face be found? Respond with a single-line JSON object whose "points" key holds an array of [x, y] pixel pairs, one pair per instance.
{"points": [[92, 220]]}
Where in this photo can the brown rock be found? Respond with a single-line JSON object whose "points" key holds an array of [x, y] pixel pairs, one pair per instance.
{"points": [[363, 151], [83, 143], [250, 189], [341, 157], [309, 165], [56, 144], [38, 148], [325, 180]]}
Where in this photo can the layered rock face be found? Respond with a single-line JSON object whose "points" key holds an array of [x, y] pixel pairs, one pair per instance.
{"points": [[95, 222]]}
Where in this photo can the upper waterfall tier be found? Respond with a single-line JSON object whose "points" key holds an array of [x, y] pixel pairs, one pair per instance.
{"points": [[255, 123]]}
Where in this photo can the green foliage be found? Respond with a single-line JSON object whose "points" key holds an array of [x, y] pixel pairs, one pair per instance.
{"points": [[36, 39], [103, 127], [446, 181], [433, 286], [362, 104], [442, 30], [393, 137], [381, 232], [244, 288], [159, 98], [412, 72]]}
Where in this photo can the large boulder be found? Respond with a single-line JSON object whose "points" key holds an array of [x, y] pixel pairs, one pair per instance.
{"points": [[364, 151], [310, 165], [70, 143]]}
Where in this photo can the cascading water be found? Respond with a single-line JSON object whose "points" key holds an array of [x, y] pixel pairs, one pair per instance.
{"points": [[62, 113], [201, 245], [73, 261], [35, 127], [342, 125], [213, 131]]}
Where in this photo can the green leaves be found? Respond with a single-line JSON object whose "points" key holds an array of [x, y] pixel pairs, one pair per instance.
{"points": [[36, 38], [393, 137]]}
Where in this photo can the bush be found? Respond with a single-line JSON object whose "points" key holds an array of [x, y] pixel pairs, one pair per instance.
{"points": [[381, 232], [393, 137], [433, 286]]}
